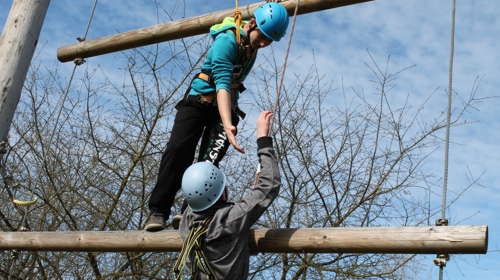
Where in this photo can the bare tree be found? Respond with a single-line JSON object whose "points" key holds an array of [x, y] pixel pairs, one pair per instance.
{"points": [[355, 162], [92, 161]]}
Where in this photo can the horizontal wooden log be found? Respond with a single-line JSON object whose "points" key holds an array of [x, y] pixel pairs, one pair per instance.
{"points": [[391, 240], [181, 29]]}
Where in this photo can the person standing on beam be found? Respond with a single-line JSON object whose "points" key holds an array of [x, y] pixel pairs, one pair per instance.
{"points": [[210, 110]]}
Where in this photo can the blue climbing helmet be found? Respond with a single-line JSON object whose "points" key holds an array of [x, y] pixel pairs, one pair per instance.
{"points": [[202, 185], [272, 20]]}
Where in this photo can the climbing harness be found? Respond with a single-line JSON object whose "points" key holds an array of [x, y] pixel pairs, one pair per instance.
{"points": [[193, 247], [245, 55]]}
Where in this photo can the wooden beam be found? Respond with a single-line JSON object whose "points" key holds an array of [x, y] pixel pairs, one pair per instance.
{"points": [[390, 240], [17, 45], [181, 28]]}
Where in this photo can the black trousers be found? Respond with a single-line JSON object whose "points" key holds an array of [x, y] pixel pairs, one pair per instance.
{"points": [[193, 121]]}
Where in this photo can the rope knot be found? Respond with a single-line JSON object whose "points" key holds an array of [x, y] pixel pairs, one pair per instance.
{"points": [[237, 19]]}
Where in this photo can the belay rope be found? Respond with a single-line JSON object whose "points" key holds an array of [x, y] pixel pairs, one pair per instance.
{"points": [[284, 63], [237, 20], [281, 81], [193, 247]]}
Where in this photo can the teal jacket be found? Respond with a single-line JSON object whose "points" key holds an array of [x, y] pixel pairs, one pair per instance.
{"points": [[220, 61]]}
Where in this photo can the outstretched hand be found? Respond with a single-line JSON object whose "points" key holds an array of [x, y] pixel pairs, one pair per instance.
{"points": [[263, 123], [230, 133]]}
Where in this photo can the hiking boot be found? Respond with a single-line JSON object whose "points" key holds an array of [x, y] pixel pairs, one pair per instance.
{"points": [[156, 222], [176, 221]]}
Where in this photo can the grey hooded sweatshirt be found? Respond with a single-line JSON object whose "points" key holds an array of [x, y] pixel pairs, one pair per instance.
{"points": [[226, 243]]}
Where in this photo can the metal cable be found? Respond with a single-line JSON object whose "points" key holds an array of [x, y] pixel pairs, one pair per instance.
{"points": [[450, 89], [447, 141]]}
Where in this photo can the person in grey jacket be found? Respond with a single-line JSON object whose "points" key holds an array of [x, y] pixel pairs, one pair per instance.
{"points": [[214, 231]]}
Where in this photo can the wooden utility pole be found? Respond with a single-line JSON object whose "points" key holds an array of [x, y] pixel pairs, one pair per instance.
{"points": [[184, 28], [392, 240], [17, 45]]}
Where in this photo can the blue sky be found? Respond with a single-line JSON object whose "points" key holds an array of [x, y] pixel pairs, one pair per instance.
{"points": [[412, 32]]}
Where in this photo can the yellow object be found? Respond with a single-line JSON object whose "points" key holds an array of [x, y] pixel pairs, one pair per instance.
{"points": [[25, 203], [237, 19]]}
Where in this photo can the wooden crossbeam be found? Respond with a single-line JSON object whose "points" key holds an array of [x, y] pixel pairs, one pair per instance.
{"points": [[181, 29], [390, 240]]}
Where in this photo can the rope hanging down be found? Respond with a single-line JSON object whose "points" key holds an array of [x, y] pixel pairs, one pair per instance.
{"points": [[281, 81], [78, 62], [441, 259], [237, 20], [284, 65]]}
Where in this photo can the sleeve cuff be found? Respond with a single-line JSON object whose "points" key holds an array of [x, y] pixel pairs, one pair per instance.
{"points": [[264, 142]]}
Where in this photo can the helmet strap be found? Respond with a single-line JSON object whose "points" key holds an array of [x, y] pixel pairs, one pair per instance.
{"points": [[248, 34], [254, 27]]}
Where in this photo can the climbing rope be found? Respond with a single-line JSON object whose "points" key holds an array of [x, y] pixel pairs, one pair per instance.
{"points": [[78, 62], [441, 259], [284, 64], [281, 82], [237, 19]]}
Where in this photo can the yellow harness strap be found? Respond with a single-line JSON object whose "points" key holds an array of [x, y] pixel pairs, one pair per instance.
{"points": [[192, 246]]}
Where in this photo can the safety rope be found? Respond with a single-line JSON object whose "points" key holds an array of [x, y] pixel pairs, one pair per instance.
{"points": [[281, 82], [237, 19], [284, 65], [78, 62], [441, 259]]}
